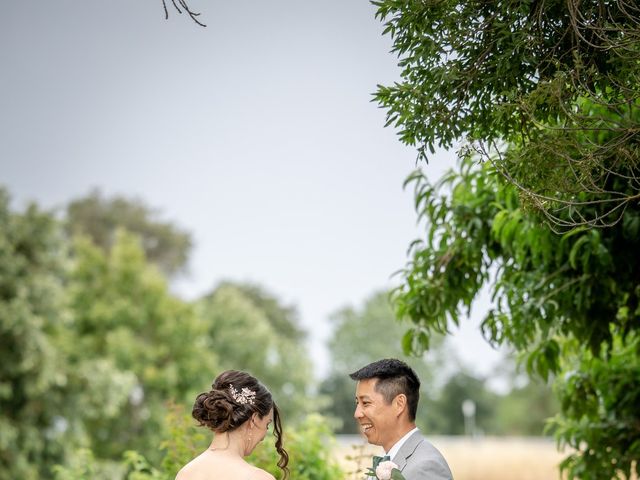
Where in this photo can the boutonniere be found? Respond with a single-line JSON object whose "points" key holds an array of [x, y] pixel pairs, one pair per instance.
{"points": [[385, 470]]}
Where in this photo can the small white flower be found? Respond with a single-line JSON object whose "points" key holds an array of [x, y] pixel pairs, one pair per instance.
{"points": [[384, 469], [243, 397]]}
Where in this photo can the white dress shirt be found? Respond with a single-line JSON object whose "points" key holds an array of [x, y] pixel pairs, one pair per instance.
{"points": [[398, 445]]}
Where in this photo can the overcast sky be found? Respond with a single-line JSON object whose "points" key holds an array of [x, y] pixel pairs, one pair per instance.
{"points": [[257, 134]]}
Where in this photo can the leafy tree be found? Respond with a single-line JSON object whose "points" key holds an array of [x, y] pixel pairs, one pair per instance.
{"points": [[284, 319], [559, 300], [249, 330], [363, 336], [528, 405], [524, 410], [533, 74], [599, 395], [95, 347], [99, 218], [337, 393], [135, 346], [445, 414], [33, 372], [83, 466], [547, 92]]}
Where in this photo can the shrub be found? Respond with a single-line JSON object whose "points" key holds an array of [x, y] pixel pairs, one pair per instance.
{"points": [[310, 446]]}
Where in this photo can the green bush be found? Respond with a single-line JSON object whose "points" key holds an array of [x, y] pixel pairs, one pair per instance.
{"points": [[82, 465], [310, 446]]}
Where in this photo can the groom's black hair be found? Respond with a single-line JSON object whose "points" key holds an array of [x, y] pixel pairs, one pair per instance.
{"points": [[394, 377]]}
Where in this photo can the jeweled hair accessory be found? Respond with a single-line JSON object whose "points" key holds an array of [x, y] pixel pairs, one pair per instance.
{"points": [[244, 396]]}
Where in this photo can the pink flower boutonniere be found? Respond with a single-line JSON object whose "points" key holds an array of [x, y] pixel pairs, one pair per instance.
{"points": [[386, 471]]}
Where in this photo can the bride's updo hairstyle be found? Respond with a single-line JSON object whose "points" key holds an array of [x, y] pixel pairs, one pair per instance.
{"points": [[234, 397]]}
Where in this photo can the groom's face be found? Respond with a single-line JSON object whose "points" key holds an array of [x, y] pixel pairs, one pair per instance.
{"points": [[376, 417]]}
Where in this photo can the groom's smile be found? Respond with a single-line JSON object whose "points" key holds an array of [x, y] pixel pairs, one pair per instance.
{"points": [[366, 428], [376, 417]]}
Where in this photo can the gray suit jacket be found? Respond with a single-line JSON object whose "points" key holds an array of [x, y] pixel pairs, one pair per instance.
{"points": [[419, 460]]}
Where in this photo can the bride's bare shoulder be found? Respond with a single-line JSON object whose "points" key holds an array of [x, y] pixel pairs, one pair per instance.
{"points": [[186, 473], [259, 474], [192, 470]]}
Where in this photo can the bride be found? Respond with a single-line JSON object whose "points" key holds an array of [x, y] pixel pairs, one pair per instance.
{"points": [[239, 410]]}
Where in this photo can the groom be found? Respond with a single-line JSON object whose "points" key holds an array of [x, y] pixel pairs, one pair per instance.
{"points": [[387, 396]]}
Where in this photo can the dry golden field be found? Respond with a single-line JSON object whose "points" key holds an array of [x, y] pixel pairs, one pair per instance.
{"points": [[488, 458]]}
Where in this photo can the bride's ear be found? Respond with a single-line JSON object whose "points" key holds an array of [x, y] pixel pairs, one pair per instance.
{"points": [[254, 418]]}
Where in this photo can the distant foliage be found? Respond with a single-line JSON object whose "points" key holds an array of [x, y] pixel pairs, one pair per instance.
{"points": [[526, 410], [99, 218], [95, 347], [248, 327], [183, 440], [445, 415], [148, 345], [310, 447], [83, 466], [34, 373]]}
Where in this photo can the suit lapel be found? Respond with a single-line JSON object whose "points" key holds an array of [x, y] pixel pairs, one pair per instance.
{"points": [[407, 450]]}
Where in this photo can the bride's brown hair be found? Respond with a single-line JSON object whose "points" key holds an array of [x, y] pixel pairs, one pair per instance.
{"points": [[221, 410]]}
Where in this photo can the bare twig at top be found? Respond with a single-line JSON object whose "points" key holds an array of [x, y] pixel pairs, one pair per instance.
{"points": [[180, 6]]}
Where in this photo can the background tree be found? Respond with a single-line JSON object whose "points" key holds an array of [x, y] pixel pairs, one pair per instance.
{"points": [[528, 405], [514, 405], [599, 395], [538, 75], [525, 410], [249, 329], [93, 346], [559, 300], [33, 372], [99, 218], [96, 349], [134, 348], [445, 414], [283, 318], [548, 93]]}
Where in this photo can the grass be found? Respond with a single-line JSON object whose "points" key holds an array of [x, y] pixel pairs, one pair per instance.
{"points": [[495, 458]]}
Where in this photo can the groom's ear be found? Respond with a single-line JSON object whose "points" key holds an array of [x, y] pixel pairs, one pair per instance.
{"points": [[400, 403]]}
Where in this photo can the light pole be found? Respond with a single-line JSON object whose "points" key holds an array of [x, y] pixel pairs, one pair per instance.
{"points": [[469, 412]]}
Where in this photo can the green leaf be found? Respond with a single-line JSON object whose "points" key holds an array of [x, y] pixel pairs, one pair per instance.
{"points": [[396, 474], [575, 250]]}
